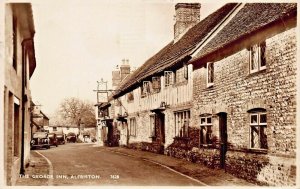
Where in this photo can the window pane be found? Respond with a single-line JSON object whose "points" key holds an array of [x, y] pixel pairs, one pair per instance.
{"points": [[254, 57], [263, 137], [202, 121], [208, 120], [254, 119], [209, 135], [263, 118], [203, 135], [254, 137], [262, 54]]}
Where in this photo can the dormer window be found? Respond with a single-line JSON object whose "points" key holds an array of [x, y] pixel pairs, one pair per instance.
{"points": [[156, 84], [210, 74], [257, 57], [168, 78], [146, 88]]}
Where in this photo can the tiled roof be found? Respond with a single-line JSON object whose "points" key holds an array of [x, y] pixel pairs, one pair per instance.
{"points": [[250, 18], [173, 53]]}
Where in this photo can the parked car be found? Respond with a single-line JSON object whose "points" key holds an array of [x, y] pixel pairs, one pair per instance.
{"points": [[71, 137], [60, 138], [52, 139], [40, 140]]}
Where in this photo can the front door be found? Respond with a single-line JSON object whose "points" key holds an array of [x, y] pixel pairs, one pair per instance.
{"points": [[223, 138], [160, 124]]}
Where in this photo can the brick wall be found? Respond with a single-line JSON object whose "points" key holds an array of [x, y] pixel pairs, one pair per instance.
{"points": [[235, 91]]}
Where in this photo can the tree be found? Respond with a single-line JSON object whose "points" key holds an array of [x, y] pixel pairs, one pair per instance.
{"points": [[76, 111]]}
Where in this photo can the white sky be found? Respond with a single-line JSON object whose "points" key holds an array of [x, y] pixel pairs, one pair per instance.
{"points": [[80, 42]]}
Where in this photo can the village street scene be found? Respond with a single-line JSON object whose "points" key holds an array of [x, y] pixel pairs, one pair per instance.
{"points": [[148, 93]]}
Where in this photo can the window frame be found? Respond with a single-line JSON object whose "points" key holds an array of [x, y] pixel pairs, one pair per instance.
{"points": [[169, 78], [260, 125], [146, 88], [183, 123], [210, 74], [154, 80], [206, 124], [132, 126], [261, 57]]}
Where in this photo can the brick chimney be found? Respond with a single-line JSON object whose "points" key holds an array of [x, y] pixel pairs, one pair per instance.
{"points": [[124, 69], [120, 73], [187, 15]]}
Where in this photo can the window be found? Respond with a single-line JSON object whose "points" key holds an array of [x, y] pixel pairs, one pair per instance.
{"points": [[168, 78], [181, 75], [15, 42], [68, 128], [182, 123], [205, 130], [54, 128], [152, 126], [258, 126], [185, 72], [156, 84], [210, 74], [132, 123], [257, 57], [146, 88]]}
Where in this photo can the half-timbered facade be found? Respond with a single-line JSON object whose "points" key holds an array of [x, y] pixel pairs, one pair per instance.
{"points": [[153, 105]]}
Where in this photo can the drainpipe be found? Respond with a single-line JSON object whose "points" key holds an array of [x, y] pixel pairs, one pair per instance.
{"points": [[24, 100]]}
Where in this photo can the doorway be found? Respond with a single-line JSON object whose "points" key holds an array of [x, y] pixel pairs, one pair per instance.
{"points": [[223, 138]]}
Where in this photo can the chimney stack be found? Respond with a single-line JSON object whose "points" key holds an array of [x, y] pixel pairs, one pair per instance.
{"points": [[124, 69], [120, 73], [187, 15]]}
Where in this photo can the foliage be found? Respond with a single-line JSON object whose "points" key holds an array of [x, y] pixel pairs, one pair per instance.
{"points": [[74, 111]]}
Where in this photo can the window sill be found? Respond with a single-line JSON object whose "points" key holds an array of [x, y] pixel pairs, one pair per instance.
{"points": [[254, 73], [258, 151]]}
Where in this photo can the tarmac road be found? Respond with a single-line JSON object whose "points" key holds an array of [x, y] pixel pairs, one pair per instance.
{"points": [[84, 164]]}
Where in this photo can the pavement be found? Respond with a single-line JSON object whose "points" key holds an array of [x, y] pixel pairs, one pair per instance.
{"points": [[200, 173]]}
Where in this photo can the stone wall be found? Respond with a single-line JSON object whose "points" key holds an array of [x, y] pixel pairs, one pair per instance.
{"points": [[236, 91]]}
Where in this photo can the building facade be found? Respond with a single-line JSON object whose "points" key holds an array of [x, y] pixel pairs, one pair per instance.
{"points": [[19, 67], [245, 96], [222, 93]]}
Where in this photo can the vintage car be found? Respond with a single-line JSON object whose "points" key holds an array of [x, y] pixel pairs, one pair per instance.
{"points": [[40, 140], [53, 139], [71, 137], [60, 138]]}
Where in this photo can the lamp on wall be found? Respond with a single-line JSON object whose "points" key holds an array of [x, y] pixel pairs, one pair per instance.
{"points": [[163, 104]]}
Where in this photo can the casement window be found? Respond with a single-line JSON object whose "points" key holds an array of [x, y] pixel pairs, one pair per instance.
{"points": [[130, 97], [132, 124], [257, 57], [185, 72], [15, 42], [168, 78], [152, 126], [182, 119], [146, 88], [156, 86], [258, 127], [210, 74], [54, 128], [205, 130]]}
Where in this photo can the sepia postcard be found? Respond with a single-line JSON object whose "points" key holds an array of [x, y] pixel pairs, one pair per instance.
{"points": [[161, 93]]}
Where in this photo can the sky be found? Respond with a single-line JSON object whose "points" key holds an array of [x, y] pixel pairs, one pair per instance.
{"points": [[79, 42]]}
